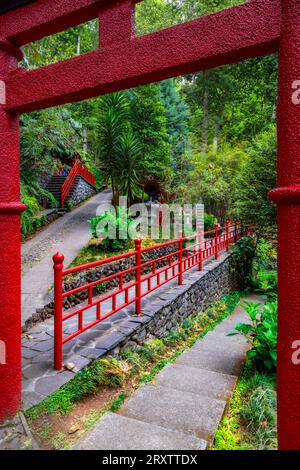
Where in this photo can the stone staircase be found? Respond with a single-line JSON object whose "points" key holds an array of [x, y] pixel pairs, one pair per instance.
{"points": [[55, 184], [183, 407]]}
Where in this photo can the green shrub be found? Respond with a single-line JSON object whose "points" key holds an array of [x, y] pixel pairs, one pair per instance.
{"points": [[69, 205], [265, 256], [266, 282], [209, 222], [259, 411], [261, 334], [243, 255], [117, 222]]}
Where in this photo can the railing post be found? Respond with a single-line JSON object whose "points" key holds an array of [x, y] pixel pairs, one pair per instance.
{"points": [[180, 250], [138, 287], [216, 241], [200, 241], [227, 234], [58, 260]]}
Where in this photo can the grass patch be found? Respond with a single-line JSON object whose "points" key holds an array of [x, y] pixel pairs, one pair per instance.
{"points": [[251, 422], [124, 374], [91, 252], [102, 372]]}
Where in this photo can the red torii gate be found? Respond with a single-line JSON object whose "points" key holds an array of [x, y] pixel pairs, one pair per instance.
{"points": [[123, 60]]}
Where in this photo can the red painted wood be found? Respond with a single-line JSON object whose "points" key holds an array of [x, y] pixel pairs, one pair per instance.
{"points": [[10, 269], [45, 17], [227, 36], [116, 23], [138, 276], [287, 196], [58, 260], [78, 168]]}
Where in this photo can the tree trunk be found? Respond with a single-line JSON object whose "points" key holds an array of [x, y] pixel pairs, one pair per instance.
{"points": [[79, 44], [84, 138], [216, 136], [205, 118]]}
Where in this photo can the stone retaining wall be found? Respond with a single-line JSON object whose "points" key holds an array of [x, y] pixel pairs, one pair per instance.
{"points": [[195, 296], [82, 191]]}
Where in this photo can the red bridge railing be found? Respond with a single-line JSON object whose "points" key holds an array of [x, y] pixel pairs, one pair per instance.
{"points": [[147, 276], [78, 169]]}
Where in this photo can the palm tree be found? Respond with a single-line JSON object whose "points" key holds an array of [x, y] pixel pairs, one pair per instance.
{"points": [[112, 122], [129, 153]]}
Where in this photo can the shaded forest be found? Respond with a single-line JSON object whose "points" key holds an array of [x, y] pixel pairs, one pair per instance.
{"points": [[210, 135]]}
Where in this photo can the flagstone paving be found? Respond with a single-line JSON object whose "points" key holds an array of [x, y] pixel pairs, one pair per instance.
{"points": [[183, 407]]}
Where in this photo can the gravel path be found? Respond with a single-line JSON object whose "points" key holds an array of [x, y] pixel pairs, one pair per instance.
{"points": [[68, 234]]}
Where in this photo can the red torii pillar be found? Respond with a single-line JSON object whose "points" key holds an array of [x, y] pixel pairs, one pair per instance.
{"points": [[287, 197], [10, 239]]}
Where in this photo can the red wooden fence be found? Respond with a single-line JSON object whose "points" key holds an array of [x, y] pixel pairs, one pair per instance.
{"points": [[188, 252]]}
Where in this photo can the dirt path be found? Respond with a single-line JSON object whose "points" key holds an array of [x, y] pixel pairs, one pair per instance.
{"points": [[68, 235]]}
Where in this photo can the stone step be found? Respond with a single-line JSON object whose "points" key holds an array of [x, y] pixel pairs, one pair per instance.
{"points": [[225, 361], [172, 409], [228, 326], [117, 432], [220, 342], [200, 381]]}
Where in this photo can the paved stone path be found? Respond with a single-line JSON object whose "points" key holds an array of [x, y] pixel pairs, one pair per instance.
{"points": [[15, 435], [182, 408], [68, 234]]}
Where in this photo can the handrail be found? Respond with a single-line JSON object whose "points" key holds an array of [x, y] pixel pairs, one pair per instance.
{"points": [[141, 281], [78, 169]]}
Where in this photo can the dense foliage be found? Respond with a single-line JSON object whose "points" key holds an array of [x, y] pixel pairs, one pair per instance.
{"points": [[208, 135], [261, 333]]}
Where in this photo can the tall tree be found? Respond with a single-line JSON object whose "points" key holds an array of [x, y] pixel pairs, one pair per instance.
{"points": [[256, 179], [112, 123], [149, 124], [178, 119]]}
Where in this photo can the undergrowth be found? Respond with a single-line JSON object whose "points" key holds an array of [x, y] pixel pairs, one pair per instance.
{"points": [[250, 423]]}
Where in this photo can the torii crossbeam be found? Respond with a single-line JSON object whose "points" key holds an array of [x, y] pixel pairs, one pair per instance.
{"points": [[123, 60]]}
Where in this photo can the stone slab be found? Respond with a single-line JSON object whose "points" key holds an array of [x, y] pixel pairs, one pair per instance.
{"points": [[47, 385], [220, 342], [200, 381], [117, 432], [228, 326], [92, 353], [226, 362], [181, 411], [110, 340]]}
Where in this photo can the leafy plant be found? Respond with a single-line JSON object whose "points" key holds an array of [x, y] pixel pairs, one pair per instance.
{"points": [[266, 255], [261, 334], [112, 123], [129, 164], [69, 205], [267, 283], [243, 255], [251, 421], [259, 413], [109, 226], [209, 222]]}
